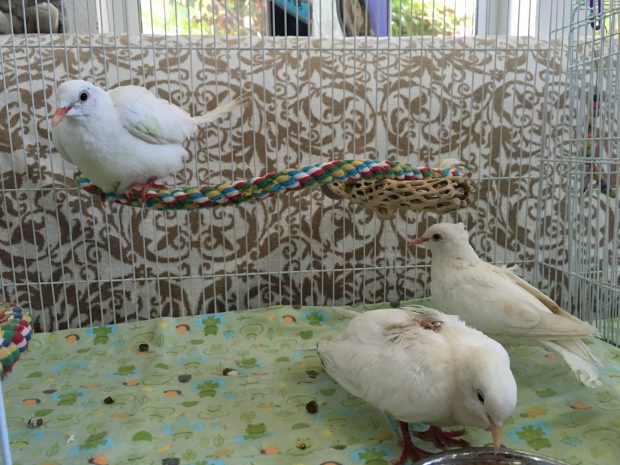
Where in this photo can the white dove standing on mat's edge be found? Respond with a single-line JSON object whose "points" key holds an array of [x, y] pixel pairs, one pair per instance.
{"points": [[124, 136], [420, 365], [501, 304]]}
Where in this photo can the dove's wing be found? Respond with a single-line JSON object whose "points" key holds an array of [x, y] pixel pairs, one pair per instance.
{"points": [[350, 364], [396, 368], [495, 303], [545, 300], [150, 118]]}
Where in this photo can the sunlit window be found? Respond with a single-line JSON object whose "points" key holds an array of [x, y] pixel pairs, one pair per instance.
{"points": [[241, 17], [212, 17], [421, 18], [337, 18]]}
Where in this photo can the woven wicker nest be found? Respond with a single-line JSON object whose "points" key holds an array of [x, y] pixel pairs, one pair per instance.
{"points": [[386, 196]]}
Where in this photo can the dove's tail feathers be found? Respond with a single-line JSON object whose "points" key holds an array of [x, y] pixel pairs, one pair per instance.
{"points": [[579, 358], [222, 110]]}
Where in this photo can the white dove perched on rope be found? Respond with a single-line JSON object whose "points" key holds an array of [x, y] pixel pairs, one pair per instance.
{"points": [[501, 304], [420, 365], [124, 136]]}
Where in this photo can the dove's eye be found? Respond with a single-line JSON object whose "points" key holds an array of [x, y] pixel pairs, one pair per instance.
{"points": [[436, 237], [480, 397], [84, 96]]}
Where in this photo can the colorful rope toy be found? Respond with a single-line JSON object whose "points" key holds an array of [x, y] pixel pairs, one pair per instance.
{"points": [[15, 332], [290, 179]]}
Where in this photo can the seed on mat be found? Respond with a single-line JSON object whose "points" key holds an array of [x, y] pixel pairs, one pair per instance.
{"points": [[312, 407]]}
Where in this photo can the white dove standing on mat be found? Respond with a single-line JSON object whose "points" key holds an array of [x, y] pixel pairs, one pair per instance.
{"points": [[420, 365], [124, 136], [501, 304]]}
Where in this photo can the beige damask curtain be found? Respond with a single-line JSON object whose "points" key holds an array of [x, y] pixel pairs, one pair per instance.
{"points": [[70, 257]]}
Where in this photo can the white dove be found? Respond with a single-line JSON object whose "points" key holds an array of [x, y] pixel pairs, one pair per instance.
{"points": [[420, 365], [501, 304], [124, 136]]}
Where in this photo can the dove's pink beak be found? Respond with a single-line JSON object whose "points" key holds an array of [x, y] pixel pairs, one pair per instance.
{"points": [[60, 114], [418, 241], [496, 431]]}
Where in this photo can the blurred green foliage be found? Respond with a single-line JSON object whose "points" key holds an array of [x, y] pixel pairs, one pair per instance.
{"points": [[209, 17], [417, 18], [238, 17]]}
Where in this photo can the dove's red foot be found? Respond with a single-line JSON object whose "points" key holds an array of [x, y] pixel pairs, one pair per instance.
{"points": [[409, 450], [150, 183], [443, 439]]}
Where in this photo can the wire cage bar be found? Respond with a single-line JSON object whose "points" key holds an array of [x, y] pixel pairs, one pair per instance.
{"points": [[525, 92], [590, 157], [341, 91]]}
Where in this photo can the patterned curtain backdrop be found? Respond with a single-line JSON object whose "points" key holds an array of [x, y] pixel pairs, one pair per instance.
{"points": [[77, 261]]}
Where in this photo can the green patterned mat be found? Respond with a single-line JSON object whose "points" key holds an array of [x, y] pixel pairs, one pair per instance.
{"points": [[173, 405]]}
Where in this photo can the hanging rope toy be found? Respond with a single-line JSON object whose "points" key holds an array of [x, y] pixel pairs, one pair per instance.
{"points": [[383, 186], [15, 332]]}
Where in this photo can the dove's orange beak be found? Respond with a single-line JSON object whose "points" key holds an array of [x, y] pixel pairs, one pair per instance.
{"points": [[496, 431], [418, 241], [60, 114]]}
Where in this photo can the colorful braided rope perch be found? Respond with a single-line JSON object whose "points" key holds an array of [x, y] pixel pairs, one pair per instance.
{"points": [[15, 332], [290, 179]]}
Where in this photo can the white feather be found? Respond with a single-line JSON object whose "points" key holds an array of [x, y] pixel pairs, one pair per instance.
{"points": [[157, 121], [397, 362], [124, 136], [503, 305]]}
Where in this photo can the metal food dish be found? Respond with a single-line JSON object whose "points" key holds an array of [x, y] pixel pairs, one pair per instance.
{"points": [[486, 456]]}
